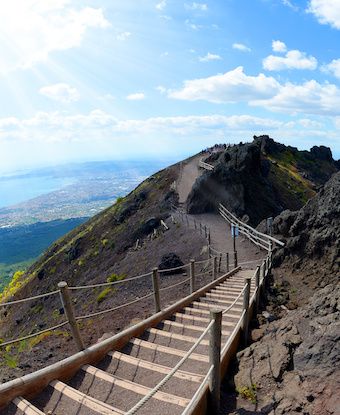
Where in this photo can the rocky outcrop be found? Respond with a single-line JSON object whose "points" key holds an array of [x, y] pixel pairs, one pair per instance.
{"points": [[261, 179], [296, 360], [293, 365], [238, 181]]}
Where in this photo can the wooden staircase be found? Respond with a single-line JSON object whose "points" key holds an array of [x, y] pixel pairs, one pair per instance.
{"points": [[118, 381]]}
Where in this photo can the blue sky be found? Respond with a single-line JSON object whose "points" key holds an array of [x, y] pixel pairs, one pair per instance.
{"points": [[107, 79]]}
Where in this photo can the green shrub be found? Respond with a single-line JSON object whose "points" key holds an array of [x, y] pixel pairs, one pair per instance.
{"points": [[115, 277], [248, 393], [103, 294]]}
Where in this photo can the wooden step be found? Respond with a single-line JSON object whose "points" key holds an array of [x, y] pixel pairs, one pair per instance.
{"points": [[134, 387], [205, 312], [180, 374], [84, 400], [169, 350], [180, 326], [212, 306], [221, 303], [199, 320], [222, 297], [26, 407], [184, 383], [189, 339]]}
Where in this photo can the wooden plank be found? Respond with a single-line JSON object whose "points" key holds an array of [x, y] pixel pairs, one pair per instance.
{"points": [[176, 336], [85, 400], [135, 387], [26, 407], [135, 361], [171, 323], [169, 350]]}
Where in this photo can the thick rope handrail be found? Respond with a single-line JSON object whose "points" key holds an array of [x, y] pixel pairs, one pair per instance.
{"points": [[188, 409], [105, 284], [170, 374], [235, 301], [232, 335], [201, 262], [173, 269], [250, 262], [33, 334], [36, 297], [174, 285], [109, 310]]}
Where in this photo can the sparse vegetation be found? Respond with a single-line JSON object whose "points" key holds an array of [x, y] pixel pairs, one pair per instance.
{"points": [[248, 393], [103, 294]]}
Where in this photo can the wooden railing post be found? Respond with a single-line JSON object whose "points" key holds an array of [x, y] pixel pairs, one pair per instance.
{"points": [[235, 259], [69, 311], [215, 361], [192, 276], [214, 275], [257, 287], [246, 297], [155, 285], [200, 228], [205, 231], [227, 260], [263, 269], [195, 224], [219, 263], [209, 239]]}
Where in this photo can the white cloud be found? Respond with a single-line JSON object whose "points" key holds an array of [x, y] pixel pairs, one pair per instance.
{"points": [[203, 7], [279, 46], [209, 57], [231, 86], [31, 30], [294, 59], [289, 4], [310, 97], [161, 89], [333, 68], [326, 11], [161, 5], [137, 96], [193, 26], [60, 92], [123, 36], [264, 91], [241, 47]]}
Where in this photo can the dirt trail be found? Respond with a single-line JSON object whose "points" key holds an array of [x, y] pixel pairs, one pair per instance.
{"points": [[221, 239], [188, 175]]}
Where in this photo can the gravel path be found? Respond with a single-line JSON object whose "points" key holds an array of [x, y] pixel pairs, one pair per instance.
{"points": [[188, 175], [221, 239]]}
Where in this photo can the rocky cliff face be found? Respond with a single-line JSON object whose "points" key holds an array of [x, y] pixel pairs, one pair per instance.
{"points": [[261, 179], [294, 364]]}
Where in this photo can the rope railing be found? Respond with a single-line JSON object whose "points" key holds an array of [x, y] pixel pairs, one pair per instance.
{"points": [[30, 336], [35, 297], [188, 409], [167, 270], [258, 235], [205, 165], [65, 296], [174, 285], [105, 284], [153, 391], [110, 310]]}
